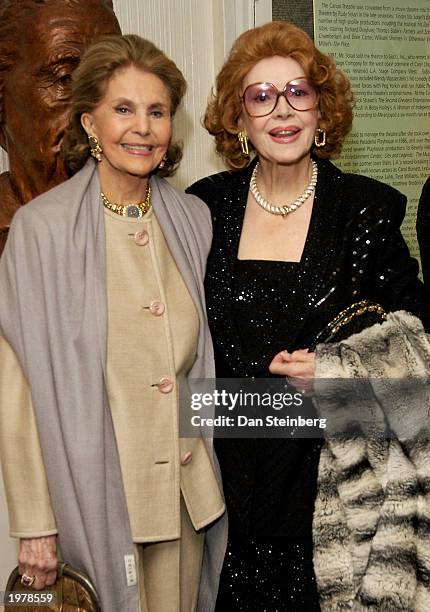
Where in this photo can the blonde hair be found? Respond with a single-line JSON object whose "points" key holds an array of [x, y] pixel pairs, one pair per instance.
{"points": [[89, 81], [286, 40]]}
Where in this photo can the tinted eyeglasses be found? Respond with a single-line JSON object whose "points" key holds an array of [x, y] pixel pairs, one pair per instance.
{"points": [[260, 99]]}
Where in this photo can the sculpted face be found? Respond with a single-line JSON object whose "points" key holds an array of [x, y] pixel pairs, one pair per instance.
{"points": [[37, 87]]}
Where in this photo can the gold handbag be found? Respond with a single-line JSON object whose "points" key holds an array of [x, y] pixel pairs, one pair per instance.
{"points": [[351, 320], [73, 592]]}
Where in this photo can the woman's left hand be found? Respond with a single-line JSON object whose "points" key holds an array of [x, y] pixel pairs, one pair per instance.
{"points": [[298, 364], [37, 559]]}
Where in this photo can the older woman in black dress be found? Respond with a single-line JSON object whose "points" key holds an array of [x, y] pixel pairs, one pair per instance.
{"points": [[295, 242]]}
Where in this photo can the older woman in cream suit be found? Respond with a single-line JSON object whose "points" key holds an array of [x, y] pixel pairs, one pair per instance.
{"points": [[103, 322]]}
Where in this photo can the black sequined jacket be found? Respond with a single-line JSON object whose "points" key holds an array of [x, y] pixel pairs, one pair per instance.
{"points": [[423, 231], [354, 250]]}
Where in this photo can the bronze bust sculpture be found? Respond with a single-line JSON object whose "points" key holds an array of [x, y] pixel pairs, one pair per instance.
{"points": [[41, 42]]}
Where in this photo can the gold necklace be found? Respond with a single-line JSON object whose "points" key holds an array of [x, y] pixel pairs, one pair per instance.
{"points": [[135, 211]]}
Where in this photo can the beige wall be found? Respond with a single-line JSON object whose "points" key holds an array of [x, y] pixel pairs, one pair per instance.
{"points": [[196, 35]]}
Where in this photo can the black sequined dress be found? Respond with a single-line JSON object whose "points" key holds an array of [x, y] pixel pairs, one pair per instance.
{"points": [[268, 565], [354, 250]]}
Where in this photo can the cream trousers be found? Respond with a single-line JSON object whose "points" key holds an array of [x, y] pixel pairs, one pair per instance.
{"points": [[169, 572]]}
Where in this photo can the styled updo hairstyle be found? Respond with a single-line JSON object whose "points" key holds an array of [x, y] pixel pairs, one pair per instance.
{"points": [[99, 63], [277, 38]]}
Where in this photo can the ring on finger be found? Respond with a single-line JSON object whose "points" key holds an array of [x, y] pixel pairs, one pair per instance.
{"points": [[27, 581]]}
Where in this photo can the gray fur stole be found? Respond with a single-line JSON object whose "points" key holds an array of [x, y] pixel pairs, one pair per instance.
{"points": [[371, 523]]}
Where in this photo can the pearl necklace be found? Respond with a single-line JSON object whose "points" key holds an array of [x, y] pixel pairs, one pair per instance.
{"points": [[283, 210], [135, 211]]}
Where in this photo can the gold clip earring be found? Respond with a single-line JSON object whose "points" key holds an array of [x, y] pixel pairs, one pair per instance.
{"points": [[95, 149], [320, 138], [163, 162], [243, 139]]}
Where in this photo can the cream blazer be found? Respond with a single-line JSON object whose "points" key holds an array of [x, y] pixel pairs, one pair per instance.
{"points": [[152, 336]]}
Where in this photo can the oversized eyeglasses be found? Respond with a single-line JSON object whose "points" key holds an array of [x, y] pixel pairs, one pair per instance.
{"points": [[260, 99]]}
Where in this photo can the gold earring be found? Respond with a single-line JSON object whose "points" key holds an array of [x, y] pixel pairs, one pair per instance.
{"points": [[95, 149], [320, 138], [243, 139], [163, 162]]}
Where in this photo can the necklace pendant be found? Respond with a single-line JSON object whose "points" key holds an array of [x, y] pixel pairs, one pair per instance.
{"points": [[132, 211]]}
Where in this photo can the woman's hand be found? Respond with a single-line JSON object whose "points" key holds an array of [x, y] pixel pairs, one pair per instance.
{"points": [[38, 557], [298, 364]]}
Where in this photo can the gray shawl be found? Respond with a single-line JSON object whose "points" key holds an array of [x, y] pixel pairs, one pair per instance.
{"points": [[372, 514], [53, 312]]}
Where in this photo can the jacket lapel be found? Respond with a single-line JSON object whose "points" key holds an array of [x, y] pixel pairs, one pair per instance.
{"points": [[312, 279]]}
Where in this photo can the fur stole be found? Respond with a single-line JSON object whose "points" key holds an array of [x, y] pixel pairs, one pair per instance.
{"points": [[371, 523]]}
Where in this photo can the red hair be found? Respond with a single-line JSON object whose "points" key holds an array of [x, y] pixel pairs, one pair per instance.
{"points": [[286, 40]]}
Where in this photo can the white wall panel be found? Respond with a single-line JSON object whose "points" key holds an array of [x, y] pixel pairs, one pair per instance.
{"points": [[263, 11], [3, 161], [240, 15]]}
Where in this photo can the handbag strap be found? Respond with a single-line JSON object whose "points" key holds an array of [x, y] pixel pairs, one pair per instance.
{"points": [[344, 317]]}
